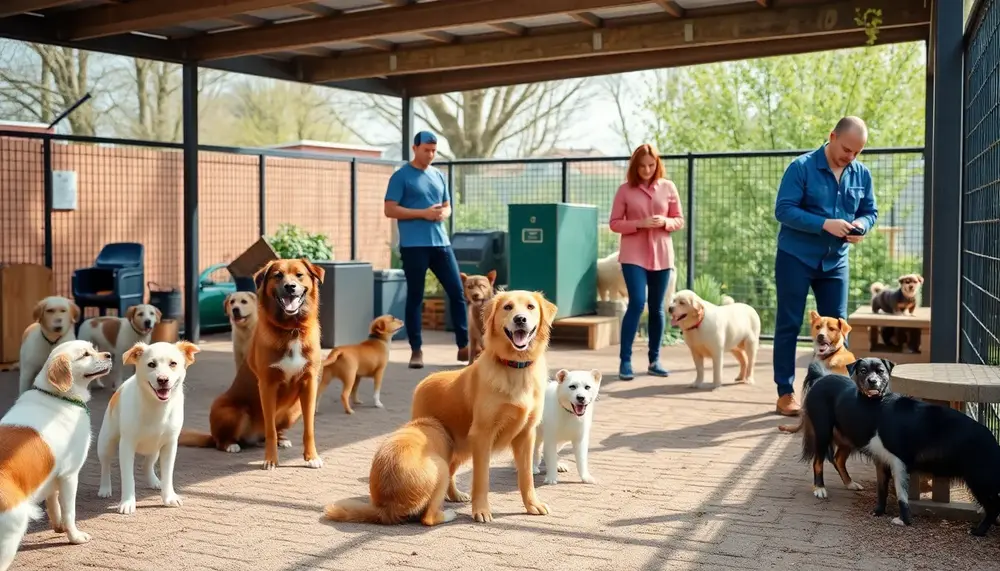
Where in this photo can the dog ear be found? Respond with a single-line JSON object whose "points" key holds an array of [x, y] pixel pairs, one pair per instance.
{"points": [[844, 325], [492, 276], [489, 312], [315, 271], [813, 316], [60, 373], [132, 355], [889, 365], [546, 308], [38, 311], [74, 311], [852, 366], [159, 314], [597, 375], [561, 375], [130, 312], [920, 279], [225, 303], [378, 326], [261, 276], [463, 276], [188, 349]]}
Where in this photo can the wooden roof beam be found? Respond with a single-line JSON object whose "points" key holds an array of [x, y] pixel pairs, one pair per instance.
{"points": [[15, 7], [671, 7], [373, 24], [112, 19], [653, 34]]}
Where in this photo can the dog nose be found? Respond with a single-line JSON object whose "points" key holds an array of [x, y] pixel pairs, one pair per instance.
{"points": [[289, 288], [149, 323], [163, 380], [821, 338], [105, 355], [581, 399], [236, 311], [520, 320]]}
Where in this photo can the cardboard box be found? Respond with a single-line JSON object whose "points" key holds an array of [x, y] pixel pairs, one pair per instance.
{"points": [[252, 259]]}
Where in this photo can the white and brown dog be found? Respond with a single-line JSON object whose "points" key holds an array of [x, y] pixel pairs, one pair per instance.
{"points": [[241, 308], [119, 334], [44, 441], [55, 318], [145, 417]]}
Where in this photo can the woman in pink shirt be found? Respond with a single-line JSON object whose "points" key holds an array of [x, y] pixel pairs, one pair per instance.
{"points": [[646, 210]]}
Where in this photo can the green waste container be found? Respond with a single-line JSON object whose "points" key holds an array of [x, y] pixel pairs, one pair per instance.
{"points": [[553, 249]]}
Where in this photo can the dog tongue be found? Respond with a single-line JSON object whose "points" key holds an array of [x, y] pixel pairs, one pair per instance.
{"points": [[579, 409], [824, 347], [291, 303], [520, 336], [162, 393]]}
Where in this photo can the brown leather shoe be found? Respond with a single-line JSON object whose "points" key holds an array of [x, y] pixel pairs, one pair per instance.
{"points": [[787, 406], [417, 359], [463, 354]]}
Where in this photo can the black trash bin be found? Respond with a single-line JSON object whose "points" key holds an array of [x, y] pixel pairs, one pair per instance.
{"points": [[168, 300], [390, 296], [345, 303]]}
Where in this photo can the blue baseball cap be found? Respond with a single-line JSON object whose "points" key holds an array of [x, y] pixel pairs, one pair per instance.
{"points": [[424, 137]]}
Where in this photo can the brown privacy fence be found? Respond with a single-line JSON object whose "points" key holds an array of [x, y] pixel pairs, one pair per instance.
{"points": [[129, 191]]}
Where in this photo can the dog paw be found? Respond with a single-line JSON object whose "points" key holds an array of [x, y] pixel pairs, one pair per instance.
{"points": [[696, 385], [820, 493], [536, 470], [879, 511], [172, 500], [748, 381], [378, 404], [562, 467], [855, 486], [461, 497], [482, 514], [233, 448], [551, 480], [449, 516], [977, 531], [79, 537], [270, 464], [104, 491], [154, 482], [587, 479], [316, 462], [127, 507], [537, 508], [284, 443]]}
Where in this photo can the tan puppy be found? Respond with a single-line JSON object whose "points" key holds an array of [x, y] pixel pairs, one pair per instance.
{"points": [[366, 359], [478, 290], [409, 477], [829, 335], [44, 441], [118, 334], [241, 308], [496, 402], [711, 330], [55, 317]]}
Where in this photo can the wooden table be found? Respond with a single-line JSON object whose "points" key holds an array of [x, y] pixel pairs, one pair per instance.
{"points": [[865, 339], [952, 385]]}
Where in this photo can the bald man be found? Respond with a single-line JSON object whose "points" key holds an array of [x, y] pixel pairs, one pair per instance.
{"points": [[824, 204]]}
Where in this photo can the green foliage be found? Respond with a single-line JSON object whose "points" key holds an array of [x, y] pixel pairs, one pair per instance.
{"points": [[291, 241], [870, 21]]}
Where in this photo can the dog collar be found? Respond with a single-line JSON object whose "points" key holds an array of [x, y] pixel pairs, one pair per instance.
{"points": [[49, 341], [74, 402], [375, 338], [696, 325], [137, 332], [568, 410], [515, 364]]}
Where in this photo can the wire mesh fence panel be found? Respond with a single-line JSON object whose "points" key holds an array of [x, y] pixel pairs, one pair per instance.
{"points": [[314, 195], [374, 232], [979, 316], [228, 209], [22, 200], [482, 191]]}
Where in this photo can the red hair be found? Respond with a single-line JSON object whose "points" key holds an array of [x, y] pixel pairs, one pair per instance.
{"points": [[640, 152]]}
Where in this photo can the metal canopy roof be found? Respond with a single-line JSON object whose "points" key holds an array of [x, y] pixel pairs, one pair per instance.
{"points": [[422, 47]]}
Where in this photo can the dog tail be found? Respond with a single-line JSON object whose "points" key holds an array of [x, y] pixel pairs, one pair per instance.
{"points": [[877, 287], [332, 357], [815, 372], [193, 439], [726, 300], [357, 511]]}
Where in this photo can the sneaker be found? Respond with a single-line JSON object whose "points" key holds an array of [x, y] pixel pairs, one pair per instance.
{"points": [[657, 371], [625, 371], [417, 359]]}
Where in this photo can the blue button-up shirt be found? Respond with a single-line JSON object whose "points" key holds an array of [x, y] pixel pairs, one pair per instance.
{"points": [[809, 195]]}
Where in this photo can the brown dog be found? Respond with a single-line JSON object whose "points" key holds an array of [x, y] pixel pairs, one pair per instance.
{"points": [[829, 335], [409, 477], [496, 402], [366, 359], [279, 380], [241, 309], [478, 290], [900, 300]]}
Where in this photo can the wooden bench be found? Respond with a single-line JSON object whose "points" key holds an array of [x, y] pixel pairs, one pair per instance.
{"points": [[868, 331], [599, 330], [951, 385]]}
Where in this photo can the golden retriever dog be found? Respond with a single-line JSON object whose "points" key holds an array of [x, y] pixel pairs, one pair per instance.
{"points": [[610, 280], [496, 402], [829, 335], [55, 317], [478, 290], [279, 380], [408, 478], [241, 309], [711, 330], [366, 359]]}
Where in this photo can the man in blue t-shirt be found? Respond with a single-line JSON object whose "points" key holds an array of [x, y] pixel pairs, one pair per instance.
{"points": [[417, 197], [825, 202]]}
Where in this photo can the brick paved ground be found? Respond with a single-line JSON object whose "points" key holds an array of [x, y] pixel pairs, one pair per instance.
{"points": [[686, 480]]}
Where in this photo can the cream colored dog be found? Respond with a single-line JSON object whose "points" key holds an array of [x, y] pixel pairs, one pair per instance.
{"points": [[241, 308], [55, 317], [44, 441], [145, 416], [711, 330], [610, 281], [119, 334]]}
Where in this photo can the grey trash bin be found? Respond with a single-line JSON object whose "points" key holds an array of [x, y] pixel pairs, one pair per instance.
{"points": [[390, 296], [345, 303]]}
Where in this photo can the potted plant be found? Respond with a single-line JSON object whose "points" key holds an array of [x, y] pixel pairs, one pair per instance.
{"points": [[291, 241]]}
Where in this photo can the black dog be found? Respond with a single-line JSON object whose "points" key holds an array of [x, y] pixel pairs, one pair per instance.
{"points": [[901, 434]]}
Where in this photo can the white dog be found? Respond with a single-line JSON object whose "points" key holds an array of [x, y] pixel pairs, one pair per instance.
{"points": [[711, 330], [144, 417], [44, 441], [119, 334], [55, 318], [566, 418], [610, 281]]}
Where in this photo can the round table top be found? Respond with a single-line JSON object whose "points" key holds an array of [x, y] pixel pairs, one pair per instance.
{"points": [[948, 381]]}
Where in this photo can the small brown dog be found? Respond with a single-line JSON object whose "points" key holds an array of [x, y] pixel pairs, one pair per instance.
{"points": [[241, 309], [896, 301], [366, 359], [409, 477], [478, 290]]}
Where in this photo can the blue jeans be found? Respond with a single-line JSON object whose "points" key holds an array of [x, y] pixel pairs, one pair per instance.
{"points": [[637, 280], [793, 279], [441, 261]]}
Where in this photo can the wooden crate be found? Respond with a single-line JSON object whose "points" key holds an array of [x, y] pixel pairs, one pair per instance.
{"points": [[866, 340], [22, 286], [597, 330]]}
